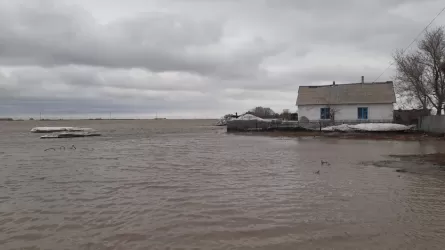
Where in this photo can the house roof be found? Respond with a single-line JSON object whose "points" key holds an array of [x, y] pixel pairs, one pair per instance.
{"points": [[352, 93]]}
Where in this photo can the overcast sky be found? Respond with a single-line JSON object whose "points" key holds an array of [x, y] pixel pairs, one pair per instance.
{"points": [[192, 58]]}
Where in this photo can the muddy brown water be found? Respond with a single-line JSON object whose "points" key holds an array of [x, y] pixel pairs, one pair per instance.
{"points": [[188, 185]]}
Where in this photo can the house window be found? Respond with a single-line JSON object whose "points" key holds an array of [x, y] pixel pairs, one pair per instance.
{"points": [[325, 113], [362, 113]]}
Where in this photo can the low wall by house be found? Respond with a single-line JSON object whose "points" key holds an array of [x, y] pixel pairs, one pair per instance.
{"points": [[254, 125], [432, 124], [248, 125]]}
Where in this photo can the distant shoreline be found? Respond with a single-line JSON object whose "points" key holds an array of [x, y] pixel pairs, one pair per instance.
{"points": [[105, 119]]}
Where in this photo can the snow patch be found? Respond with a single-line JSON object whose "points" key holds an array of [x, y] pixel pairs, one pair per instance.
{"points": [[248, 117], [223, 121], [343, 128], [374, 127], [381, 127]]}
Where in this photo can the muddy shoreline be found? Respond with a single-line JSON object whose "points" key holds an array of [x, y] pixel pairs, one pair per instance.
{"points": [[433, 164], [397, 136]]}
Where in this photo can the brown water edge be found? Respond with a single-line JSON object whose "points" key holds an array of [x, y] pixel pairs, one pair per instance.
{"points": [[396, 136], [433, 164]]}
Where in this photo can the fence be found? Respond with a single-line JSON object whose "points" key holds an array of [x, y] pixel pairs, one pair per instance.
{"points": [[267, 125], [432, 124]]}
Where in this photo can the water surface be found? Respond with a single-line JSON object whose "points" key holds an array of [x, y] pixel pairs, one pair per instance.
{"points": [[188, 185]]}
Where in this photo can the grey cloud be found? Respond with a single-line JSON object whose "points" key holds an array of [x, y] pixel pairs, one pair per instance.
{"points": [[339, 5], [192, 56], [65, 90], [364, 25], [55, 34]]}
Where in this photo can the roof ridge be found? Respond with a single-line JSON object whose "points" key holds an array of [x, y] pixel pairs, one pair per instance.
{"points": [[355, 83], [378, 92]]}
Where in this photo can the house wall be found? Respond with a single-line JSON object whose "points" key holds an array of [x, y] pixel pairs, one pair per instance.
{"points": [[348, 112]]}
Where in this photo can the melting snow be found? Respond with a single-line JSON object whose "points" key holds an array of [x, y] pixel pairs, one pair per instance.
{"points": [[223, 121], [369, 127], [249, 117], [343, 127]]}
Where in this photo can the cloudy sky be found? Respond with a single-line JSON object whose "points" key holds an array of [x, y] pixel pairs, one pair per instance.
{"points": [[192, 58]]}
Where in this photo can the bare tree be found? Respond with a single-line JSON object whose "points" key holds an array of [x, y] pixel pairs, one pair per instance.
{"points": [[333, 109], [263, 112], [421, 75], [410, 82], [328, 101]]}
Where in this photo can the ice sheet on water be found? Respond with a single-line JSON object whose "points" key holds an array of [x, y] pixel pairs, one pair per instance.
{"points": [[58, 129]]}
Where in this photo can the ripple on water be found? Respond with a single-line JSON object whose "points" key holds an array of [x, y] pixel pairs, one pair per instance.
{"points": [[179, 185]]}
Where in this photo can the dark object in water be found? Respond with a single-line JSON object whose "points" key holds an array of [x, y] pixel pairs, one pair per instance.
{"points": [[73, 147], [401, 170], [48, 149], [317, 172], [325, 163], [69, 135]]}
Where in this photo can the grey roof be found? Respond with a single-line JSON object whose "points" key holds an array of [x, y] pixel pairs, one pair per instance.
{"points": [[352, 93]]}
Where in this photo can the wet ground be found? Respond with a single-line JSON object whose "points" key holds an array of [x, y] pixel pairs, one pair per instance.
{"points": [[188, 185], [393, 136], [430, 164]]}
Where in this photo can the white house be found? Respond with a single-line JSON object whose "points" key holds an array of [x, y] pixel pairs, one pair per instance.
{"points": [[347, 102]]}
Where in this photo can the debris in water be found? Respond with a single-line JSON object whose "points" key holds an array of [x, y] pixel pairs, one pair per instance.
{"points": [[325, 163], [70, 135]]}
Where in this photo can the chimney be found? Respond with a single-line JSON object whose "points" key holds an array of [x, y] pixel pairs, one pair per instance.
{"points": [[333, 83], [363, 79]]}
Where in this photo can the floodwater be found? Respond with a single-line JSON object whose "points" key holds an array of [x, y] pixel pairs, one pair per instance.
{"points": [[188, 185]]}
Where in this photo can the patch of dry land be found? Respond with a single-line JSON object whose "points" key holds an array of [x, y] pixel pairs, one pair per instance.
{"points": [[416, 164]]}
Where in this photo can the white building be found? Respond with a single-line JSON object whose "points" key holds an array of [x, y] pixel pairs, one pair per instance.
{"points": [[371, 102]]}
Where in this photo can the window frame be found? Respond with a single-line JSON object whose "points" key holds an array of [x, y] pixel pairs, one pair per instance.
{"points": [[325, 113], [361, 112]]}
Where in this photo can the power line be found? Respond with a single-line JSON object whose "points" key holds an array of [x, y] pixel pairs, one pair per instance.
{"points": [[412, 42]]}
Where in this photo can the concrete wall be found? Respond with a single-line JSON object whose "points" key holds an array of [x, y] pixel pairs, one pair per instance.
{"points": [[348, 112], [245, 125], [253, 125], [432, 124]]}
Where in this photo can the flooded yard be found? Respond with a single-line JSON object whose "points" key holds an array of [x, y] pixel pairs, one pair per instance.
{"points": [[189, 185]]}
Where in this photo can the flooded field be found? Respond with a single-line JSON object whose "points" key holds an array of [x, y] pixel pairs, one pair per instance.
{"points": [[188, 185]]}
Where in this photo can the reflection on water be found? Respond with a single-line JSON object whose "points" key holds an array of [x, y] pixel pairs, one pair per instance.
{"points": [[188, 185]]}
